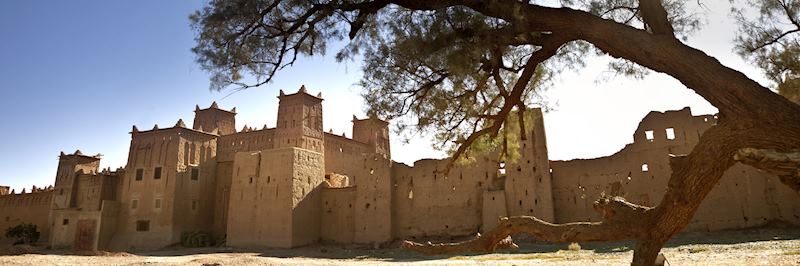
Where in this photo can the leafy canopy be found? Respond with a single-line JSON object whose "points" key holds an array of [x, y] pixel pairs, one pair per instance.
{"points": [[771, 39], [433, 67]]}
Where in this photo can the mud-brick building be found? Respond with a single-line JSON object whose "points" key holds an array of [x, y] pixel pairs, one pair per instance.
{"points": [[295, 184]]}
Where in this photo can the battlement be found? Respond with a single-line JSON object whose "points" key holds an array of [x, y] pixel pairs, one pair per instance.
{"points": [[37, 196], [180, 125]]}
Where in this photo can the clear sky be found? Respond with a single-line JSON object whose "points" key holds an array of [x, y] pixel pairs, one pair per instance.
{"points": [[79, 74]]}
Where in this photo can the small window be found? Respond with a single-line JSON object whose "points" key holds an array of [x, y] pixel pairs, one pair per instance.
{"points": [[142, 225], [649, 135], [157, 204], [645, 168], [65, 222], [157, 173], [134, 204], [139, 174], [195, 173], [194, 205], [670, 133]]}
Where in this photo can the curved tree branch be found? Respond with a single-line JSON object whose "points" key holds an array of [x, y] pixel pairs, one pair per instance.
{"points": [[621, 221]]}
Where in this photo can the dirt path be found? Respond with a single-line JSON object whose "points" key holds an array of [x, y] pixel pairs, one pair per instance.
{"points": [[750, 247]]}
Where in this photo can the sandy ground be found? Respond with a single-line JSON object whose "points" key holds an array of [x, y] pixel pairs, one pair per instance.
{"points": [[765, 246]]}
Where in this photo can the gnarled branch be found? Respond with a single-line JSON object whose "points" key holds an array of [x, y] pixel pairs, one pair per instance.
{"points": [[621, 220], [785, 165]]}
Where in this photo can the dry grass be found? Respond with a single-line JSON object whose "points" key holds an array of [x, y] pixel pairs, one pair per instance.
{"points": [[574, 247], [793, 252], [697, 250]]}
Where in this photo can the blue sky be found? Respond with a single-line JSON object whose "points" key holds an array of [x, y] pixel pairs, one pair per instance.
{"points": [[79, 74]]}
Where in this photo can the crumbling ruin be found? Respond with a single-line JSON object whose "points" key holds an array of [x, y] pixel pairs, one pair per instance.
{"points": [[295, 184]]}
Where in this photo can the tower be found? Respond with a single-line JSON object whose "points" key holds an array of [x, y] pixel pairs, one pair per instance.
{"points": [[214, 118], [299, 121], [68, 165], [373, 132]]}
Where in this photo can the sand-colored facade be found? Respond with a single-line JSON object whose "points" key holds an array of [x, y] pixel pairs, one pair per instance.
{"points": [[295, 185]]}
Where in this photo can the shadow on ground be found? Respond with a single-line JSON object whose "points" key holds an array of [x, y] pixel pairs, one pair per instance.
{"points": [[527, 246]]}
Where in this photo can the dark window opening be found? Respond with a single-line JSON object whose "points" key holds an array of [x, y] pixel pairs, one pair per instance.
{"points": [[195, 173], [134, 204], [143, 225], [139, 174], [65, 222], [157, 173]]}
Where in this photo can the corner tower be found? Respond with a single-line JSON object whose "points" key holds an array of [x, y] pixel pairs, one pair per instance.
{"points": [[299, 121], [213, 118]]}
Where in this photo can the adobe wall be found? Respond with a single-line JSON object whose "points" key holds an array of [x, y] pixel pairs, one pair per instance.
{"points": [[148, 150], [341, 153], [338, 215], [193, 198], [307, 176], [261, 200], [92, 189], [744, 197], [66, 177], [222, 194], [32, 208], [528, 185], [256, 140], [427, 203]]}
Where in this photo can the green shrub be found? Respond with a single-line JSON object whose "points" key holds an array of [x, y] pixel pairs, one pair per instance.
{"points": [[25, 233]]}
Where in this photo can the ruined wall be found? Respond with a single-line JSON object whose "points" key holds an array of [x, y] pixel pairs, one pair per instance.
{"points": [[494, 208], [528, 185], [32, 208], [639, 172], [338, 215], [427, 203]]}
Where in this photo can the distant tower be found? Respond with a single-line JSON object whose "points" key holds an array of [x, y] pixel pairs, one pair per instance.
{"points": [[213, 118], [299, 121], [68, 166], [374, 132]]}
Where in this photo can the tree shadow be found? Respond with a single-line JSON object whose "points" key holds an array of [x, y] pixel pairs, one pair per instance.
{"points": [[392, 252]]}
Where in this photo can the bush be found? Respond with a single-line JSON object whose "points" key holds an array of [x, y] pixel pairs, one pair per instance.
{"points": [[196, 239], [24, 233]]}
